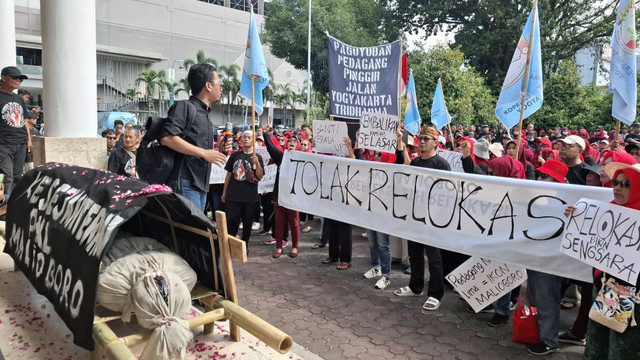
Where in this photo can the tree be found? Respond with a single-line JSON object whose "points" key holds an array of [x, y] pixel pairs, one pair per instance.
{"points": [[230, 85], [201, 58], [284, 99], [356, 22], [488, 30], [152, 79], [568, 103], [468, 99], [131, 93]]}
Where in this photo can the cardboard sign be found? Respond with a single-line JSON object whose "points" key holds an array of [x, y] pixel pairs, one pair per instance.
{"points": [[453, 158], [266, 184], [481, 282], [605, 236], [218, 174], [329, 137], [262, 151], [378, 132]]}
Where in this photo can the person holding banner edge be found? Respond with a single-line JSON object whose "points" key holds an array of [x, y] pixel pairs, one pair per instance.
{"points": [[428, 144]]}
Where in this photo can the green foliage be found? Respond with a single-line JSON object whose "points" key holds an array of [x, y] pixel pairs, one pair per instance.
{"points": [[131, 93], [567, 103], [152, 80], [201, 58], [356, 22], [468, 99], [488, 31]]}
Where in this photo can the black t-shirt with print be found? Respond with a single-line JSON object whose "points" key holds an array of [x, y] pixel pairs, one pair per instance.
{"points": [[121, 163], [12, 110], [243, 185]]}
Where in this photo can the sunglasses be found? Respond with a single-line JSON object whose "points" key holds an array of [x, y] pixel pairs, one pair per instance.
{"points": [[378, 154], [425, 138], [304, 144], [293, 139], [111, 137], [16, 77], [623, 184], [543, 176]]}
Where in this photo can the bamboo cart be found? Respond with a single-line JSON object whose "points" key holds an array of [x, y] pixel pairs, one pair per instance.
{"points": [[138, 209]]}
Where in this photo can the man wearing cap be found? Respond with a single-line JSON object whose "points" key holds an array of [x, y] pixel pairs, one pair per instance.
{"points": [[572, 147], [15, 140]]}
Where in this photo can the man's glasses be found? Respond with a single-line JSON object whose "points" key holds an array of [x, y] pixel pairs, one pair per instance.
{"points": [[304, 144], [16, 77], [111, 137], [543, 176], [623, 184], [215, 82], [425, 138]]}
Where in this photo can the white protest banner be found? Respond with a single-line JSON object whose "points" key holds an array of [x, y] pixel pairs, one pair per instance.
{"points": [[262, 151], [378, 132], [329, 137], [510, 220], [605, 236], [268, 179], [453, 158], [481, 281], [218, 174]]}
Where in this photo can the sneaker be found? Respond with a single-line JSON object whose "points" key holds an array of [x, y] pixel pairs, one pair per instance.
{"points": [[264, 232], [486, 310], [270, 241], [284, 244], [382, 283], [365, 235], [513, 305], [541, 349], [567, 337], [255, 226], [371, 273], [498, 320], [240, 227]]}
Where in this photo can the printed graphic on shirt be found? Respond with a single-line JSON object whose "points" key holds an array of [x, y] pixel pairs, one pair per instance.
{"points": [[12, 114], [239, 170], [130, 168]]}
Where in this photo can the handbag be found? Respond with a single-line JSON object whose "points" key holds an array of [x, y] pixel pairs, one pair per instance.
{"points": [[525, 322], [614, 305]]}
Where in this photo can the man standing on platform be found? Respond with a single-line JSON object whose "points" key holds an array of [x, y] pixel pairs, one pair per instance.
{"points": [[188, 131], [15, 140]]}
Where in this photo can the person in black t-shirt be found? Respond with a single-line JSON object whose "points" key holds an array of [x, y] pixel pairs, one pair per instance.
{"points": [[428, 143], [572, 147], [190, 176], [15, 140], [122, 161], [240, 193]]}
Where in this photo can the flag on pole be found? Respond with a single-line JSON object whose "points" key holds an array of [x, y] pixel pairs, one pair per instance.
{"points": [[412, 117], [509, 102], [622, 73], [439, 113], [254, 64]]}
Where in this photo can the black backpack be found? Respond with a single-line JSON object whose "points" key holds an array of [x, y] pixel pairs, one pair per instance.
{"points": [[154, 161]]}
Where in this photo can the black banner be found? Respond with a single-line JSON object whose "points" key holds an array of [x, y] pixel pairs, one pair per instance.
{"points": [[61, 219], [363, 79]]}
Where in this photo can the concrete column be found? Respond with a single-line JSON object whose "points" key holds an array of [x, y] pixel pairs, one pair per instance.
{"points": [[69, 75], [69, 67], [7, 33]]}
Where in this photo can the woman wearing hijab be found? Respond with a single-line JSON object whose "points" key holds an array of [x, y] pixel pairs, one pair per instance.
{"points": [[588, 154], [617, 157], [505, 166], [521, 157], [541, 145], [465, 146], [602, 342]]}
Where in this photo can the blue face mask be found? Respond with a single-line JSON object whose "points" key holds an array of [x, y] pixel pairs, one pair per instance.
{"points": [[564, 133], [515, 133]]}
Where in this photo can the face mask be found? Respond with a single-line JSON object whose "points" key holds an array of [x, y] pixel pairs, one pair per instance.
{"points": [[515, 133], [564, 133]]}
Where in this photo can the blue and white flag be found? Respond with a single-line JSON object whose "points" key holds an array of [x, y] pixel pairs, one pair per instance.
{"points": [[509, 102], [412, 118], [439, 113], [622, 73], [254, 64]]}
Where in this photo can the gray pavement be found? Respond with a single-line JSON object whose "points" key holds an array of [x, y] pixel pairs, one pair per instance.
{"points": [[339, 314]]}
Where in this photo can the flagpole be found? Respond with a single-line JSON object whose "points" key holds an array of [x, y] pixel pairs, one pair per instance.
{"points": [[446, 113], [526, 75], [617, 132], [253, 116]]}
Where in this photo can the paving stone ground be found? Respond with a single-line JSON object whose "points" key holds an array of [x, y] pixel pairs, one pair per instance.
{"points": [[339, 314]]}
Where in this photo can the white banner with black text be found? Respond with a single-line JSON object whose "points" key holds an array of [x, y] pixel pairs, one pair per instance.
{"points": [[515, 221]]}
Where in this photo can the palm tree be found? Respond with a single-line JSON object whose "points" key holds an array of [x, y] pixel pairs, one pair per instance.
{"points": [[151, 78], [131, 93], [184, 86], [230, 85], [270, 90], [284, 98], [201, 58]]}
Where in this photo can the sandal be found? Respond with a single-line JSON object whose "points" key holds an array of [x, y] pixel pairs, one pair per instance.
{"points": [[408, 271], [405, 291], [329, 261], [343, 266], [318, 246], [431, 304], [306, 229], [567, 305]]}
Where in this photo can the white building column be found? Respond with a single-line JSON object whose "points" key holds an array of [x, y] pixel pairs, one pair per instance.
{"points": [[69, 72], [69, 67], [7, 33]]}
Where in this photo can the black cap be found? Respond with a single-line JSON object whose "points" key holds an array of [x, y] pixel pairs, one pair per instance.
{"points": [[630, 147], [13, 72]]}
